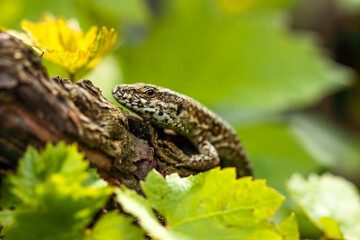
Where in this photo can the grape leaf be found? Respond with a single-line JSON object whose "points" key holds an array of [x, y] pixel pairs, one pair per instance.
{"points": [[141, 209], [289, 228], [210, 205], [328, 200], [331, 228], [58, 210], [56, 195], [112, 226], [34, 168]]}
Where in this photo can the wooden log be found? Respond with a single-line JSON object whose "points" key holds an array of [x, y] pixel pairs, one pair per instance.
{"points": [[36, 109]]}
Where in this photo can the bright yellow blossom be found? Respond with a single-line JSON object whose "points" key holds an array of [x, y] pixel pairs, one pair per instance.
{"points": [[65, 44]]}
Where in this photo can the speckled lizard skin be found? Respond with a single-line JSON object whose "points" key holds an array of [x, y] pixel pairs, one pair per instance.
{"points": [[216, 141]]}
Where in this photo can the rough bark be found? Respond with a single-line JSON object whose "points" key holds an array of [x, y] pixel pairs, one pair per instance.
{"points": [[36, 109]]}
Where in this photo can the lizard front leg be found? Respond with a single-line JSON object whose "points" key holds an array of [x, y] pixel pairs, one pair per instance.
{"points": [[206, 159]]}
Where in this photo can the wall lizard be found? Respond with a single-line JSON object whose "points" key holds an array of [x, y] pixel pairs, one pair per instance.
{"points": [[216, 141]]}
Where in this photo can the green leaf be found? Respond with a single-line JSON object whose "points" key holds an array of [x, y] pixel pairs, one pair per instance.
{"points": [[210, 205], [57, 195], [207, 192], [34, 168], [93, 179], [326, 142], [276, 153], [331, 228], [59, 210], [112, 226], [141, 209], [7, 199], [242, 61], [289, 228], [6, 218], [328, 196]]}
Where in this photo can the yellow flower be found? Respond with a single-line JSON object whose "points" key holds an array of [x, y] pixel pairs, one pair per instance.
{"points": [[65, 44]]}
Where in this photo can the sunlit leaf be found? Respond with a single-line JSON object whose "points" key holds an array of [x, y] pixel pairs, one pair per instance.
{"points": [[136, 205], [330, 202], [210, 205], [35, 167], [331, 228], [58, 210], [54, 195], [289, 228], [112, 226]]}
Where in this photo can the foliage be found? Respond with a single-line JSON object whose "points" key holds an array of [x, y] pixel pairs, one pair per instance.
{"points": [[289, 228], [54, 195], [242, 60], [210, 205], [350, 6], [270, 161], [64, 43], [250, 53], [112, 226], [332, 203], [233, 6]]}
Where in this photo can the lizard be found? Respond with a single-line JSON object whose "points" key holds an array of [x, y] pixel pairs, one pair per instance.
{"points": [[216, 141]]}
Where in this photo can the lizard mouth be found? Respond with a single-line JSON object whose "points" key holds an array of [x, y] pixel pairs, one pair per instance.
{"points": [[125, 97], [116, 89], [118, 94]]}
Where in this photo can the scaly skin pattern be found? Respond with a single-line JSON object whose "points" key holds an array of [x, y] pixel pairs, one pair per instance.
{"points": [[216, 141]]}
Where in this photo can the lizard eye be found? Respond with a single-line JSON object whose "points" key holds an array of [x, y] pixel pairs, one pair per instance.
{"points": [[150, 93]]}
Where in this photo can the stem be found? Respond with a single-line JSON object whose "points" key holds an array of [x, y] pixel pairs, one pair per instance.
{"points": [[71, 76]]}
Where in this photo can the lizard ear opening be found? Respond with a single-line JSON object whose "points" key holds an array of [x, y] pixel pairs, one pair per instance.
{"points": [[180, 108]]}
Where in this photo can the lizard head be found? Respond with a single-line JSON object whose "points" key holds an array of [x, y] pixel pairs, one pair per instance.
{"points": [[156, 104]]}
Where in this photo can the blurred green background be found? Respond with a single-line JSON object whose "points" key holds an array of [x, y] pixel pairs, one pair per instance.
{"points": [[282, 72]]}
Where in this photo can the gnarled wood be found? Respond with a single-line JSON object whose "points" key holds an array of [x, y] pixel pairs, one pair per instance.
{"points": [[36, 109]]}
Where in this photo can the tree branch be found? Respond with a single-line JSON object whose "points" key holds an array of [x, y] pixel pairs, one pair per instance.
{"points": [[36, 109]]}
